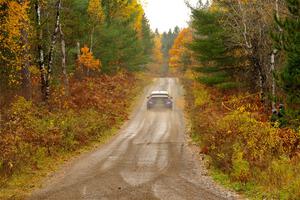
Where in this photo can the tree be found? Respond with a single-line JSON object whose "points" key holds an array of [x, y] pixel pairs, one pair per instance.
{"points": [[125, 42], [157, 50], [168, 40], [210, 48], [288, 40], [96, 17], [15, 60], [180, 54], [250, 24], [46, 62], [117, 33], [146, 37], [87, 60]]}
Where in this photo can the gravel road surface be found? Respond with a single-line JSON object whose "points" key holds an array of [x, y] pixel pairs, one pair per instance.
{"points": [[149, 159]]}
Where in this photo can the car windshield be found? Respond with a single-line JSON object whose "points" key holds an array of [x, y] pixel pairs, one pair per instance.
{"points": [[160, 96]]}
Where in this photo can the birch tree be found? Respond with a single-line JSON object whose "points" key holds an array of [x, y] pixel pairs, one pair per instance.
{"points": [[250, 23], [46, 65], [96, 15]]}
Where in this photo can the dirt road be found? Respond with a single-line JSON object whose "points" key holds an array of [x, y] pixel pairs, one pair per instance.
{"points": [[148, 159]]}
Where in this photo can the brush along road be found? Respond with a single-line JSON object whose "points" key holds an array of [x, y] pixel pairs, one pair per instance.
{"points": [[148, 159]]}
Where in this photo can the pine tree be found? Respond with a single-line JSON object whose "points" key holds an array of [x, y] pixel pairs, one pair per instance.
{"points": [[289, 41], [147, 37], [210, 48], [168, 39]]}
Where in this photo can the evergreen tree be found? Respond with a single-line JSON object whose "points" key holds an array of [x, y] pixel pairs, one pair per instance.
{"points": [[289, 41], [168, 39], [209, 45], [119, 47], [147, 38]]}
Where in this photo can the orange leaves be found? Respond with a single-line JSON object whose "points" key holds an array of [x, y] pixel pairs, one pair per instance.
{"points": [[87, 60], [179, 49], [94, 107], [107, 94]]}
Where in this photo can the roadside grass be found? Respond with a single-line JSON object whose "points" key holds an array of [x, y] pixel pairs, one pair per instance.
{"points": [[22, 183], [249, 189], [245, 151], [64, 133]]}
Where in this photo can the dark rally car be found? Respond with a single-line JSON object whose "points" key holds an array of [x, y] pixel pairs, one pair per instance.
{"points": [[159, 99]]}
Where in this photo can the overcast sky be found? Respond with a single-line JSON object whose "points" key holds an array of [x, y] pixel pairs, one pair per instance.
{"points": [[166, 14]]}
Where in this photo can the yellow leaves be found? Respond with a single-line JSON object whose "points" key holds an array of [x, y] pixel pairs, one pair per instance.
{"points": [[95, 11], [157, 53], [14, 22], [87, 60], [179, 48], [202, 96], [134, 9]]}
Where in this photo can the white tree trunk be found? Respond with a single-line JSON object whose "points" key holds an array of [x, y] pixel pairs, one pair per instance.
{"points": [[78, 50], [52, 46], [41, 57], [273, 66], [63, 62], [273, 55]]}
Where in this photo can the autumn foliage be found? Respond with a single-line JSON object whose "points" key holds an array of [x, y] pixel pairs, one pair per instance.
{"points": [[29, 132], [87, 60], [238, 138], [157, 50], [179, 54], [13, 20]]}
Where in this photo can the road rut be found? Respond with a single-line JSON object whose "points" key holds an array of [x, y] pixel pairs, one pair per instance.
{"points": [[148, 159]]}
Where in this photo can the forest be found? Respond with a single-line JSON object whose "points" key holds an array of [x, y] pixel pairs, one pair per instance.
{"points": [[240, 64], [71, 71]]}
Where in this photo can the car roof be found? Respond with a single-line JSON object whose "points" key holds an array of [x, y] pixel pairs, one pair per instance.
{"points": [[160, 92]]}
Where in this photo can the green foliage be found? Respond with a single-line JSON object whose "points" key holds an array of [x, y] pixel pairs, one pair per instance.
{"points": [[289, 40], [207, 69], [120, 47], [240, 166], [147, 38], [116, 41], [209, 45], [210, 38], [215, 79], [168, 39]]}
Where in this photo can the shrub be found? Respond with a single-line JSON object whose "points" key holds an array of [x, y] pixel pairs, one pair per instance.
{"points": [[240, 166], [31, 132], [259, 140], [261, 158], [201, 97]]}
